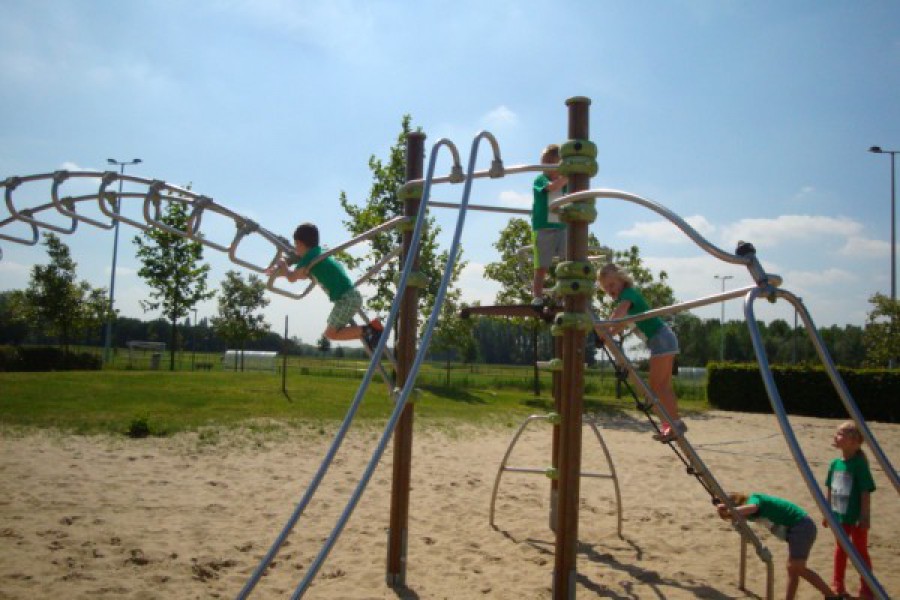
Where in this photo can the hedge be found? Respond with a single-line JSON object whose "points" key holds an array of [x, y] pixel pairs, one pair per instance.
{"points": [[805, 391], [46, 358]]}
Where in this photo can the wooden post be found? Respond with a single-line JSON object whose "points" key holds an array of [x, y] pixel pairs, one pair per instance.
{"points": [[554, 449], [572, 403], [406, 352]]}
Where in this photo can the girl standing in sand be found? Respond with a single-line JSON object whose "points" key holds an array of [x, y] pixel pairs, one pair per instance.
{"points": [[660, 340], [848, 488]]}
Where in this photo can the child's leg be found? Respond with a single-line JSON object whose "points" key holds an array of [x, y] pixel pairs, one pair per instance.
{"points": [[341, 314], [797, 568], [860, 538], [840, 566], [661, 383]]}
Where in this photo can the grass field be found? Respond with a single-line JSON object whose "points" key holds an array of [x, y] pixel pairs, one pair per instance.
{"points": [[316, 390]]}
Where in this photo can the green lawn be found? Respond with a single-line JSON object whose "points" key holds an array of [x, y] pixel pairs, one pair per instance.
{"points": [[112, 401]]}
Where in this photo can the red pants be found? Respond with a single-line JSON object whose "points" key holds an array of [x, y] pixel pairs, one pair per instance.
{"points": [[860, 538]]}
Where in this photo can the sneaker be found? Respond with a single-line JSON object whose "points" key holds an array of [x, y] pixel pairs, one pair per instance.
{"points": [[668, 435], [372, 334], [537, 303]]}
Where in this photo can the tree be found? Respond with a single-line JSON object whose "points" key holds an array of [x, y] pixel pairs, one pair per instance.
{"points": [[323, 344], [13, 317], [239, 302], [512, 272], [453, 337], [171, 267], [59, 303], [882, 333], [382, 205]]}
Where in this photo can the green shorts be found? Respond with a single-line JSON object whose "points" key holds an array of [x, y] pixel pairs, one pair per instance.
{"points": [[344, 309]]}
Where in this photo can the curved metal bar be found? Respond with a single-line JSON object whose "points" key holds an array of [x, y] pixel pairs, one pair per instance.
{"points": [[244, 228], [58, 178], [489, 173], [797, 453], [35, 234], [612, 473], [841, 388], [658, 209], [506, 455], [26, 215], [378, 266], [400, 404], [341, 433], [483, 207], [114, 199], [153, 198], [366, 235]]}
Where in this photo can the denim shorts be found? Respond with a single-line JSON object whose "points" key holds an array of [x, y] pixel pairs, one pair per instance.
{"points": [[663, 342], [800, 538]]}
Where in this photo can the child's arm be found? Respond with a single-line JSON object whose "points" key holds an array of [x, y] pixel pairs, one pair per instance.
{"points": [[620, 311], [281, 269], [865, 509], [828, 499], [557, 183], [744, 510]]}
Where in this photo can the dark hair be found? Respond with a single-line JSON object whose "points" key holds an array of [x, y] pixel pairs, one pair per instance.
{"points": [[308, 234]]}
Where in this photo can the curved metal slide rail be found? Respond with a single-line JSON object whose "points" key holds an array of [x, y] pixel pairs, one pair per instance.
{"points": [[791, 439], [344, 427], [424, 342]]}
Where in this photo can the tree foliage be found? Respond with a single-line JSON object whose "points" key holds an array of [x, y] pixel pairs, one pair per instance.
{"points": [[172, 268], [382, 205], [56, 301], [238, 319], [882, 333]]}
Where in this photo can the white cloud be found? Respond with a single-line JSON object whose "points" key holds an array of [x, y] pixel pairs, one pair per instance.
{"points": [[860, 247], [501, 116], [475, 286], [665, 231], [806, 193], [819, 279], [515, 199], [771, 232]]}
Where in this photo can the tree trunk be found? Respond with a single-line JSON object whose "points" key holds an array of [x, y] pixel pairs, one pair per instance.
{"points": [[173, 336]]}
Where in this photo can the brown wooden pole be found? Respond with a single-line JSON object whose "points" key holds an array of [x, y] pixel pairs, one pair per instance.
{"points": [[406, 352], [572, 402]]}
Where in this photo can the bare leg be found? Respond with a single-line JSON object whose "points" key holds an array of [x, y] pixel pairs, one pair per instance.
{"points": [[344, 334], [797, 568], [661, 383]]}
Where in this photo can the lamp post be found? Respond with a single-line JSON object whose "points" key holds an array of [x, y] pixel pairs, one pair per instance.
{"points": [[724, 278], [112, 278], [893, 154]]}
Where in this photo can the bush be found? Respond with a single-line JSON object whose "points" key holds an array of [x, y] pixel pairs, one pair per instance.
{"points": [[46, 358], [805, 391]]}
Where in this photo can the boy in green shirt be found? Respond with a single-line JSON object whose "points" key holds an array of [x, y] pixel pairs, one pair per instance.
{"points": [[331, 277]]}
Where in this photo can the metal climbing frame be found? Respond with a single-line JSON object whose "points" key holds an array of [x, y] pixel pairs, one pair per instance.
{"points": [[503, 468]]}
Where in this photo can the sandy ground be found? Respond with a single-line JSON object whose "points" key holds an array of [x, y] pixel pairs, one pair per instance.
{"points": [[190, 516]]}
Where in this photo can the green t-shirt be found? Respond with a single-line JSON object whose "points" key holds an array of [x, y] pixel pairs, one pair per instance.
{"points": [[330, 274], [540, 211], [777, 514], [847, 480], [648, 327]]}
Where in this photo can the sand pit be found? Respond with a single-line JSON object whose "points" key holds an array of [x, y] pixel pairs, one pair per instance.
{"points": [[190, 516]]}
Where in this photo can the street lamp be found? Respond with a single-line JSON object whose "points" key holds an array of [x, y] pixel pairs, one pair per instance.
{"points": [[112, 278], [893, 153], [724, 278]]}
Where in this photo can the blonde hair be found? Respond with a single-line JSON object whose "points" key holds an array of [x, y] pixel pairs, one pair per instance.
{"points": [[550, 155], [613, 270], [850, 427]]}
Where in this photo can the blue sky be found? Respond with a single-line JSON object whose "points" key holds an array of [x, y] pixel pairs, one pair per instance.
{"points": [[750, 119]]}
